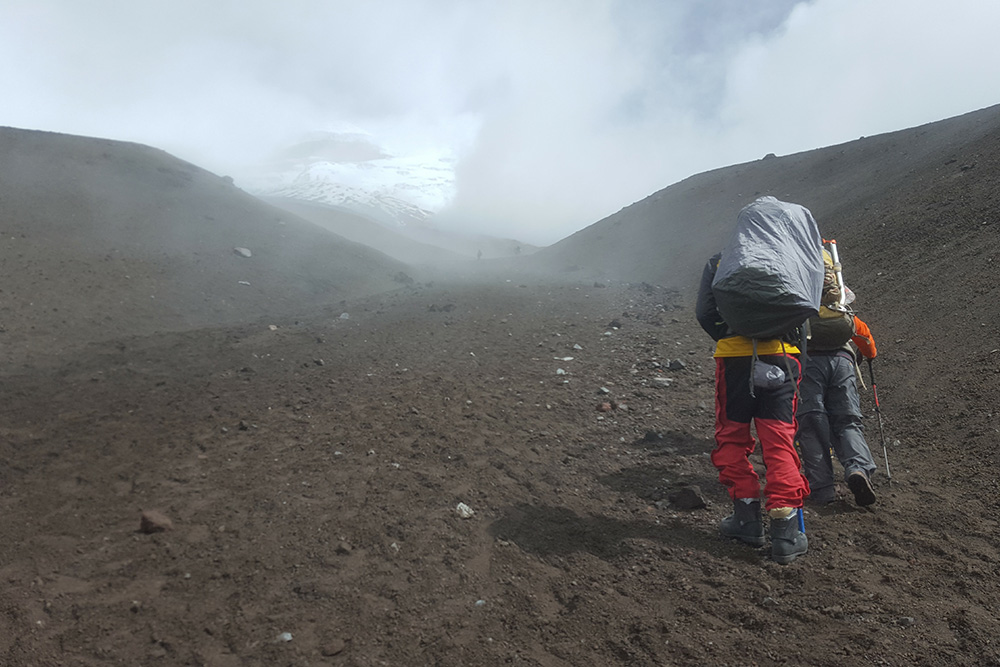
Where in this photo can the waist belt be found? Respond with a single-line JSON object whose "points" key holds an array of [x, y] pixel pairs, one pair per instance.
{"points": [[847, 354]]}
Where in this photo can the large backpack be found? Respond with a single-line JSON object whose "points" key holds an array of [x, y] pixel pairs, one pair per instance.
{"points": [[770, 276], [833, 327]]}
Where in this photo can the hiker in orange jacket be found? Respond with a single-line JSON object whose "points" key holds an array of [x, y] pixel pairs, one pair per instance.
{"points": [[772, 410], [829, 411]]}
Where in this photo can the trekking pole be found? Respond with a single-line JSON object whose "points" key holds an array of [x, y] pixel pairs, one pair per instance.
{"points": [[881, 430]]}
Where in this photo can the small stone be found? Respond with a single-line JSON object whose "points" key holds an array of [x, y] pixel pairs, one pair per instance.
{"points": [[464, 511], [333, 647], [344, 549], [153, 521]]}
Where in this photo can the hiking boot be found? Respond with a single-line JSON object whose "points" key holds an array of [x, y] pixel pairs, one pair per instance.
{"points": [[861, 487], [822, 497], [745, 523], [787, 541]]}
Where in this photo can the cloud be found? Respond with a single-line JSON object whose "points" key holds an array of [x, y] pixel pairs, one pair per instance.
{"points": [[560, 111]]}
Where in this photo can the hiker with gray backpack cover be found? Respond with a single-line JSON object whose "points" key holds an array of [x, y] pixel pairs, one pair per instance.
{"points": [[753, 299]]}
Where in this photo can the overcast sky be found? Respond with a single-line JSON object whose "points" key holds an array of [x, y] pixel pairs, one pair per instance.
{"points": [[560, 112]]}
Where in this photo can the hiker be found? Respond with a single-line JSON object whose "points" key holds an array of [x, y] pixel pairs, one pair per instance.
{"points": [[829, 412], [769, 404]]}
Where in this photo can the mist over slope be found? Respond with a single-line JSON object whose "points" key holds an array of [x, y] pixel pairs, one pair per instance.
{"points": [[910, 178], [364, 230], [310, 472], [103, 238]]}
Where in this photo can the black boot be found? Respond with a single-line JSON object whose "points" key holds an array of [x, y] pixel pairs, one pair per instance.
{"points": [[861, 487], [787, 541], [744, 523]]}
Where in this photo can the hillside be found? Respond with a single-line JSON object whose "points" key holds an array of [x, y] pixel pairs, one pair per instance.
{"points": [[104, 238], [311, 466], [917, 176]]}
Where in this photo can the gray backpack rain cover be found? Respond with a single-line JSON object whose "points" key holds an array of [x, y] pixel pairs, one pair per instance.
{"points": [[770, 277]]}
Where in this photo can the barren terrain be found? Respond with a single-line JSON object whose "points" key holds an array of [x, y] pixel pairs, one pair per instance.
{"points": [[310, 440]]}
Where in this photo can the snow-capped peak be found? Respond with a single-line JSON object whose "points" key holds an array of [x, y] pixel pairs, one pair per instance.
{"points": [[351, 172]]}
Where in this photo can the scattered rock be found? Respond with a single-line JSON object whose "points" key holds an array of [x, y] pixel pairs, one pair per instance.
{"points": [[676, 365], [333, 647], [243, 252], [153, 521], [688, 498], [344, 549], [464, 511], [604, 407]]}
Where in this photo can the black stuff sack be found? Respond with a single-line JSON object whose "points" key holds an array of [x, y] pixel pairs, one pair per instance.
{"points": [[770, 276]]}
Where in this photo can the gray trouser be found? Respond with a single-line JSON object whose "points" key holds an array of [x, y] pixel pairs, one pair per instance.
{"points": [[829, 416]]}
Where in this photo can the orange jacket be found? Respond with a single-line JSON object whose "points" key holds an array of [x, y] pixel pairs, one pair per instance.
{"points": [[863, 339]]}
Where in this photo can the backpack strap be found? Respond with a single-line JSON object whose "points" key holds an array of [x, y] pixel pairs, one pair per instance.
{"points": [[788, 365]]}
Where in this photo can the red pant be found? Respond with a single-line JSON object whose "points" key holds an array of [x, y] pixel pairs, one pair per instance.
{"points": [[773, 414]]}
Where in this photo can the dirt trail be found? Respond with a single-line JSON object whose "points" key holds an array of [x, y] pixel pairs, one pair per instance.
{"points": [[312, 472]]}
